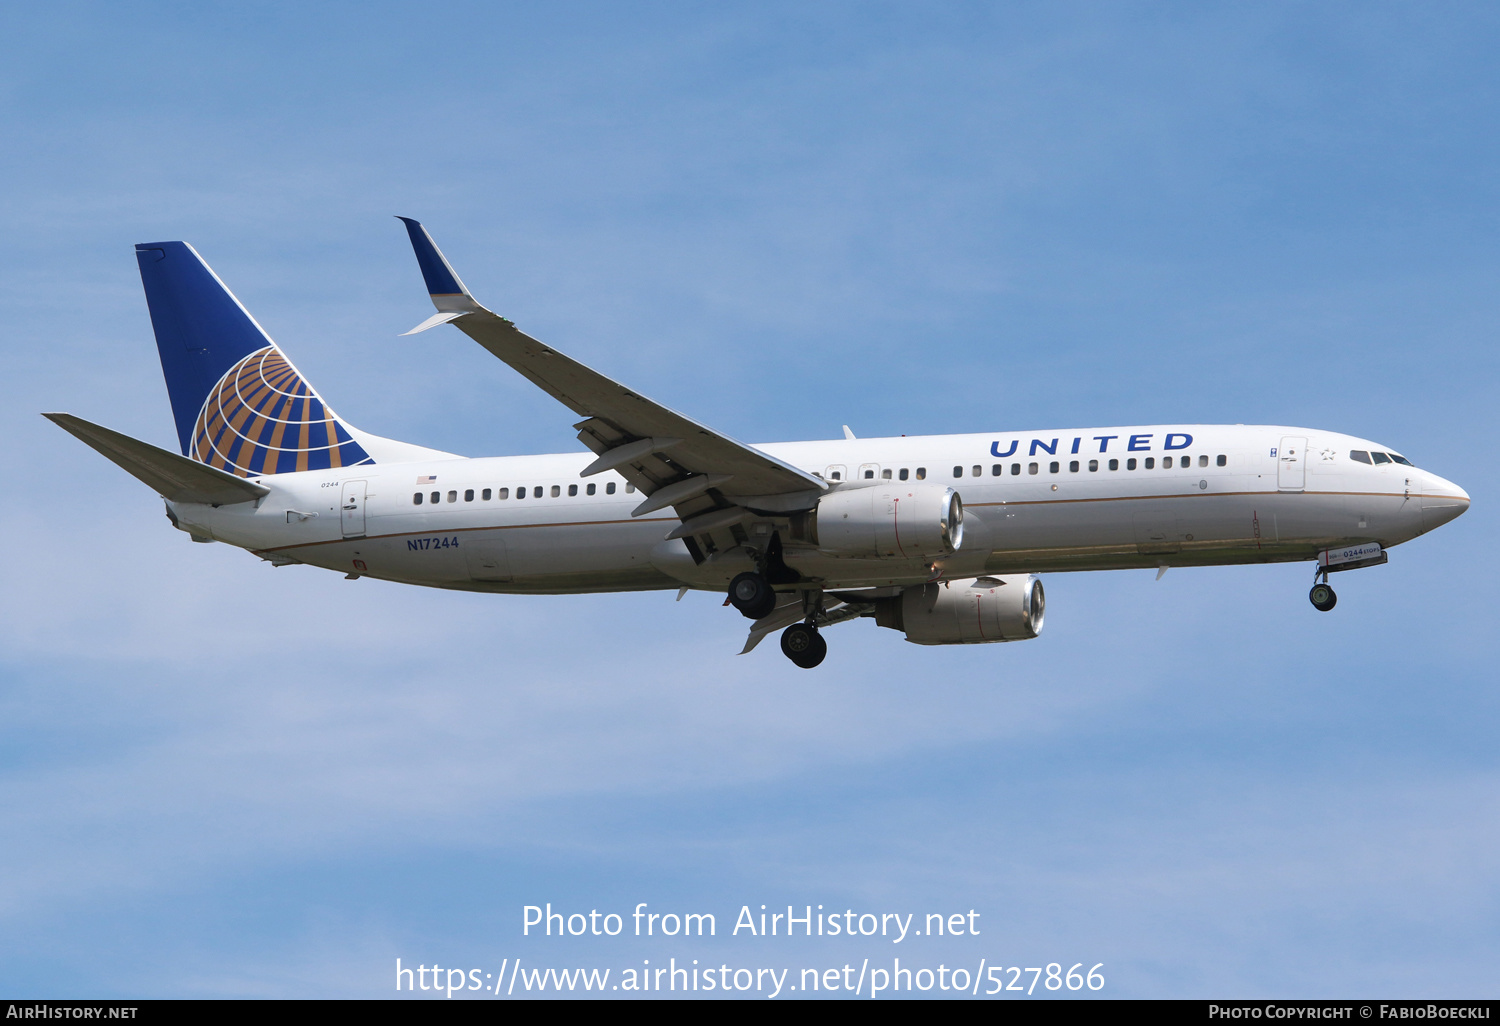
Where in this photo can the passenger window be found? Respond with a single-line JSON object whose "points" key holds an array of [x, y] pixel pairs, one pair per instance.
{"points": [[436, 497], [835, 472], [556, 490], [453, 496], [1223, 460], [957, 472], [468, 495], [921, 473], [485, 495], [905, 473], [977, 471], [1073, 467], [1093, 466], [1015, 469], [503, 493], [886, 474], [521, 492], [834, 475], [629, 487], [1053, 467], [1130, 463], [1031, 468], [1380, 458], [572, 489], [1202, 461], [609, 488], [997, 470], [1166, 463], [1150, 462], [1114, 464], [591, 489], [416, 500], [1187, 463]]}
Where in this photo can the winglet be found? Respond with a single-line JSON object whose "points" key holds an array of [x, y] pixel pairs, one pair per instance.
{"points": [[448, 293]]}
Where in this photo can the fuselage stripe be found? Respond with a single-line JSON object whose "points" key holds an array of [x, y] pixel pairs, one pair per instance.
{"points": [[669, 520]]}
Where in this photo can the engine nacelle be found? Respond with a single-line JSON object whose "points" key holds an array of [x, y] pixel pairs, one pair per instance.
{"points": [[972, 612], [891, 520]]}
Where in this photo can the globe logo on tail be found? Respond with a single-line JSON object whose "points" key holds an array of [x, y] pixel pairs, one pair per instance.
{"points": [[264, 418]]}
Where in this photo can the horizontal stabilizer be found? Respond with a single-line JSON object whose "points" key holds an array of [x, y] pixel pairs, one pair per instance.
{"points": [[174, 477]]}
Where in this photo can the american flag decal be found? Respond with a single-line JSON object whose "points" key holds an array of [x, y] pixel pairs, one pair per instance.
{"points": [[427, 479]]}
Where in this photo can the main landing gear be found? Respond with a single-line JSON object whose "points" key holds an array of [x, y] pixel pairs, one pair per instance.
{"points": [[751, 594], [1322, 596], [803, 645]]}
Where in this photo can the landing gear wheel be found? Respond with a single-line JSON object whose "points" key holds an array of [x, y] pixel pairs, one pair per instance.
{"points": [[1322, 597], [751, 594], [803, 645]]}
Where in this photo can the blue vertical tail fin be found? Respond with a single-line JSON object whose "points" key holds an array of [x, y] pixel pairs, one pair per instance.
{"points": [[238, 402]]}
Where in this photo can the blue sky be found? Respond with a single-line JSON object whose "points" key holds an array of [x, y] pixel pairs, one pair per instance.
{"points": [[219, 778]]}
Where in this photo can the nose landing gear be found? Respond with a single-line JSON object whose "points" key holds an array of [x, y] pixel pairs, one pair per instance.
{"points": [[1322, 596], [803, 645]]}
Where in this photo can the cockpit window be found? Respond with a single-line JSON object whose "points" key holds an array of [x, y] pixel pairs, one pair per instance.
{"points": [[1359, 456], [1380, 458], [1402, 460]]}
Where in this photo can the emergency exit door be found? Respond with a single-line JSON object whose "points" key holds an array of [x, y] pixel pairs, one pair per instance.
{"points": [[352, 514], [1291, 464]]}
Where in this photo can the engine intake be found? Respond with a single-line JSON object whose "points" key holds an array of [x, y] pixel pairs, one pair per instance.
{"points": [[971, 612], [910, 520]]}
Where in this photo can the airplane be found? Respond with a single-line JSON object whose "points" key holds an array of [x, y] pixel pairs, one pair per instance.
{"points": [[940, 537]]}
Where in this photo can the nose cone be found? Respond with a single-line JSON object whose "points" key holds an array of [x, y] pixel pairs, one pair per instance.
{"points": [[1442, 501]]}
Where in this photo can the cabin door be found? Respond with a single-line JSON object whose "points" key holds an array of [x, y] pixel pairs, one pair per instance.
{"points": [[1291, 464], [352, 509]]}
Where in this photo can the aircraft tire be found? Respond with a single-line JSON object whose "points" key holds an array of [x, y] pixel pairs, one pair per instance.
{"points": [[1322, 597], [803, 645], [751, 594]]}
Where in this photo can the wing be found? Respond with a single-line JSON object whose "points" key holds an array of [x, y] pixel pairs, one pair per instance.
{"points": [[710, 480]]}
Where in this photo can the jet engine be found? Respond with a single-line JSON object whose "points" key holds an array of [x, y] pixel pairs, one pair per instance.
{"points": [[971, 612], [905, 520]]}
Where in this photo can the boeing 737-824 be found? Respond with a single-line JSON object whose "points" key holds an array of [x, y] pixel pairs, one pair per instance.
{"points": [[939, 537]]}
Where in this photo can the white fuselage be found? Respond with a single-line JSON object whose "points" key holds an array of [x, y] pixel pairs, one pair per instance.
{"points": [[1232, 494]]}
